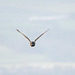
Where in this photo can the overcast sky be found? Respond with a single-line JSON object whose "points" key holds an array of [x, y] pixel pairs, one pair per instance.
{"points": [[52, 50]]}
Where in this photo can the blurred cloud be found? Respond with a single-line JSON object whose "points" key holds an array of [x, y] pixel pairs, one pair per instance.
{"points": [[48, 18], [40, 67]]}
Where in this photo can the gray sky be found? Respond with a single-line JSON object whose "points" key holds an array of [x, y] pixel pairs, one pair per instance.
{"points": [[52, 50]]}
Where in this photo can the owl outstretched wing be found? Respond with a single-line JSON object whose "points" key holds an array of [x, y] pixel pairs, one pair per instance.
{"points": [[40, 35], [24, 35]]}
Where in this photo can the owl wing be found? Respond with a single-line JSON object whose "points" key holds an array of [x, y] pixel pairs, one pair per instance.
{"points": [[41, 35], [24, 35]]}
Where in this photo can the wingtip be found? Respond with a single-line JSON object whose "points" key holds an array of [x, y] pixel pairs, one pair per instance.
{"points": [[47, 29], [17, 29]]}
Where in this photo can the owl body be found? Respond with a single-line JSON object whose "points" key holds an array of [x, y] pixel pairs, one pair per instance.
{"points": [[32, 44]]}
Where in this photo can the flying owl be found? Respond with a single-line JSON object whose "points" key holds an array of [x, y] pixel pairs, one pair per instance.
{"points": [[32, 43]]}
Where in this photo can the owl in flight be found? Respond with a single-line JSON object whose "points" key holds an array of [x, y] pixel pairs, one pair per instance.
{"points": [[32, 43]]}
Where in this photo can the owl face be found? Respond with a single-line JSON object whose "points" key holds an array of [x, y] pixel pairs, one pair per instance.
{"points": [[32, 44]]}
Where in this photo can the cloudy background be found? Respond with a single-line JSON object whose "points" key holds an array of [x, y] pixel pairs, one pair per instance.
{"points": [[54, 53]]}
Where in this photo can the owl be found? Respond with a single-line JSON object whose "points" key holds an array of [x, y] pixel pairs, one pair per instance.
{"points": [[32, 43]]}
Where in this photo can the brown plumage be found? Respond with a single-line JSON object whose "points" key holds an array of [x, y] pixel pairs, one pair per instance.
{"points": [[32, 43]]}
